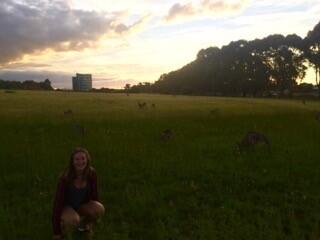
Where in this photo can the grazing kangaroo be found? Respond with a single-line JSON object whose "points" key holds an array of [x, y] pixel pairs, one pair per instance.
{"points": [[153, 105], [68, 112], [214, 111], [142, 105], [251, 139], [166, 135], [9, 91]]}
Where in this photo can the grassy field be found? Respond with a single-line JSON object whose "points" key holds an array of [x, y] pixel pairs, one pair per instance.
{"points": [[190, 187]]}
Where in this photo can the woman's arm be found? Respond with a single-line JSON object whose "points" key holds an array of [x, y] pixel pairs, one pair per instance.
{"points": [[58, 205], [94, 186]]}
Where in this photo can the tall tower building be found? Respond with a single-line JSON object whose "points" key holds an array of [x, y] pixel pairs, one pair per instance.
{"points": [[82, 82]]}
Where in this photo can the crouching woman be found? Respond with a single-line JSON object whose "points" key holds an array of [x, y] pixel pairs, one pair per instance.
{"points": [[76, 203]]}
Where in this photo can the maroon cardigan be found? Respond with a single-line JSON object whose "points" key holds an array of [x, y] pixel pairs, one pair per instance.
{"points": [[60, 198]]}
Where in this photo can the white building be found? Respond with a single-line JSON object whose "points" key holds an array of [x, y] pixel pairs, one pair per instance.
{"points": [[82, 82]]}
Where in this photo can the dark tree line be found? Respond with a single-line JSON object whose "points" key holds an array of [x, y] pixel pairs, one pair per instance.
{"points": [[27, 85], [275, 63]]}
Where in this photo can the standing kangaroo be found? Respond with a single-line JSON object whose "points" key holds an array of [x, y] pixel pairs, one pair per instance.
{"points": [[251, 139], [142, 105], [166, 135]]}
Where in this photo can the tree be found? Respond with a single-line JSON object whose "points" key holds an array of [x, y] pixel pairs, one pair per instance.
{"points": [[287, 66], [312, 51], [127, 88], [46, 85]]}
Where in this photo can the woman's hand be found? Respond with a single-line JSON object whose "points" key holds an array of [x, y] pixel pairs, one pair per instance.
{"points": [[57, 237]]}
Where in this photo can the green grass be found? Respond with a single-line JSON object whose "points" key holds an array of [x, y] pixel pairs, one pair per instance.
{"points": [[191, 187]]}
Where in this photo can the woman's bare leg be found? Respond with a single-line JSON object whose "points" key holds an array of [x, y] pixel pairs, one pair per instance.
{"points": [[70, 220], [91, 211]]}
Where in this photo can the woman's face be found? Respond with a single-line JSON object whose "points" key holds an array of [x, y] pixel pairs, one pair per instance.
{"points": [[80, 161]]}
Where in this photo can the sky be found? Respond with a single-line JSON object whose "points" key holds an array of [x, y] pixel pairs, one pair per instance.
{"points": [[132, 41]]}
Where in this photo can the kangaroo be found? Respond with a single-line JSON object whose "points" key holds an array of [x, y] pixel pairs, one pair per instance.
{"points": [[68, 112], [142, 105], [251, 139], [166, 135]]}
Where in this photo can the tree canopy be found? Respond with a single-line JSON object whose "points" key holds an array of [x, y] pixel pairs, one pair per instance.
{"points": [[28, 84], [274, 63]]}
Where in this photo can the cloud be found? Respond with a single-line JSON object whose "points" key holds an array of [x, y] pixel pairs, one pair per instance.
{"points": [[178, 10], [33, 26], [25, 65], [120, 28], [204, 8]]}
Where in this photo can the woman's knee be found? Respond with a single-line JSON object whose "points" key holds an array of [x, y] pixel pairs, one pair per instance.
{"points": [[99, 209], [70, 219], [93, 209]]}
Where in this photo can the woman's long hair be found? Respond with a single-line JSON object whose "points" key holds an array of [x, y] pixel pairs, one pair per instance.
{"points": [[70, 172]]}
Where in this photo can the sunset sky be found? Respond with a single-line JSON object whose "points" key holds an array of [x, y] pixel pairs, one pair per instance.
{"points": [[131, 41]]}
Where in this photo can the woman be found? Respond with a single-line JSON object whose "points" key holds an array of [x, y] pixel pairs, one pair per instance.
{"points": [[76, 203]]}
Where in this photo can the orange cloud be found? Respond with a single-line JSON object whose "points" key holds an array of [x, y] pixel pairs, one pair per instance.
{"points": [[204, 8]]}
